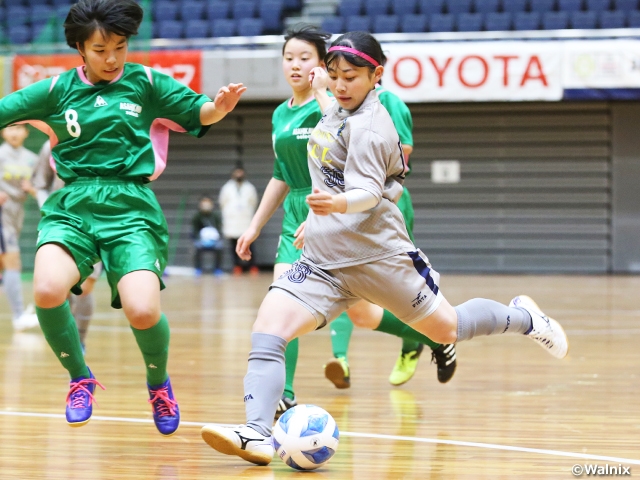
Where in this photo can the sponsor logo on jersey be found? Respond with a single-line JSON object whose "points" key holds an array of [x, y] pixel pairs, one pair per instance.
{"points": [[313, 152], [131, 108], [322, 135], [248, 397], [100, 102], [302, 133]]}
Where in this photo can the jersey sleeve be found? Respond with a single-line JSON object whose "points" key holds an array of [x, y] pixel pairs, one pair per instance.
{"points": [[401, 116], [178, 103], [30, 103]]}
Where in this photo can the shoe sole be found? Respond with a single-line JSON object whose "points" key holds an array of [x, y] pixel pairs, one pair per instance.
{"points": [[447, 379], [401, 383], [78, 424], [554, 323], [335, 374], [224, 445], [405, 381]]}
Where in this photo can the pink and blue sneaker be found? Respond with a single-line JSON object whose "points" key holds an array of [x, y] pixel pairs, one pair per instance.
{"points": [[80, 400], [166, 413]]}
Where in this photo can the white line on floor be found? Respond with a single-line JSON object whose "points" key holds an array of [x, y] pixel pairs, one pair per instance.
{"points": [[458, 443]]}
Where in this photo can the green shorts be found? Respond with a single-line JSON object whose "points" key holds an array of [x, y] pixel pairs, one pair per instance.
{"points": [[114, 220], [406, 208], [295, 212]]}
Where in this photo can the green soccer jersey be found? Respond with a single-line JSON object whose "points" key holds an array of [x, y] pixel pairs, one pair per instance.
{"points": [[291, 129], [110, 129], [400, 114]]}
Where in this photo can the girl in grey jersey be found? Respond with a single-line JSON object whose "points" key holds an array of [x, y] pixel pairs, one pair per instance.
{"points": [[16, 165], [357, 247]]}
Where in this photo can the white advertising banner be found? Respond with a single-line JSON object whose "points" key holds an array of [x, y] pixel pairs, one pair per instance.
{"points": [[474, 71], [601, 64]]}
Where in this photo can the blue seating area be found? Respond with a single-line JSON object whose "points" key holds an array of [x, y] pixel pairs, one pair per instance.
{"points": [[24, 21], [218, 18], [413, 16]]}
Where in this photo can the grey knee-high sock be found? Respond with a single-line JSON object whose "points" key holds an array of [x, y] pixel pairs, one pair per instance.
{"points": [[487, 317], [83, 311], [264, 381], [13, 288]]}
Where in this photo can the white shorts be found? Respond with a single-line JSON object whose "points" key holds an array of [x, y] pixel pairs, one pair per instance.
{"points": [[403, 284]]}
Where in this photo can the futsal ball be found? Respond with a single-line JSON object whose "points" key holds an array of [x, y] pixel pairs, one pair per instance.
{"points": [[305, 437]]}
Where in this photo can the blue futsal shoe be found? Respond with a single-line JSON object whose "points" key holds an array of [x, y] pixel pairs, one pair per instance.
{"points": [[166, 413], [80, 400]]}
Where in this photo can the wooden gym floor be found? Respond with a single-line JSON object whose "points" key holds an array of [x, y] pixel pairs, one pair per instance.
{"points": [[511, 411]]}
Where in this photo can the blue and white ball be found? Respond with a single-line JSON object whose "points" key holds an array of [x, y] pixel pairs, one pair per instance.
{"points": [[305, 437]]}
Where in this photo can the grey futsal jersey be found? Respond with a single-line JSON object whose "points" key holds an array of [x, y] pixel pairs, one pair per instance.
{"points": [[16, 165], [350, 150], [44, 179]]}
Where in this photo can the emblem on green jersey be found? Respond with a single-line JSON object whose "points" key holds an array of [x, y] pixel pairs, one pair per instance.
{"points": [[100, 102], [131, 108]]}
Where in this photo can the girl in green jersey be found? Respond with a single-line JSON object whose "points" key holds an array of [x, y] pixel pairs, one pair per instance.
{"points": [[108, 122], [292, 123]]}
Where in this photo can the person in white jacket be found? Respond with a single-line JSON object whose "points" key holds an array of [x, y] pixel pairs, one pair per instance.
{"points": [[238, 201]]}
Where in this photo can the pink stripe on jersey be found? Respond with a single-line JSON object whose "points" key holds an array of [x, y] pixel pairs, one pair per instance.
{"points": [[84, 78], [118, 77], [159, 135], [148, 70], [47, 130], [54, 80]]}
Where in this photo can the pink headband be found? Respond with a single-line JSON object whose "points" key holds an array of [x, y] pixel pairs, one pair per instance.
{"points": [[355, 52]]}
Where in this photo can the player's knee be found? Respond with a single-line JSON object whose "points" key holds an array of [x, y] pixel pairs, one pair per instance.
{"points": [[360, 320], [142, 316], [445, 336], [48, 294]]}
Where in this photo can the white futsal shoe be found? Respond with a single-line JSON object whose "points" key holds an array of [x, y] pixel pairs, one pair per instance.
{"points": [[241, 440], [546, 332]]}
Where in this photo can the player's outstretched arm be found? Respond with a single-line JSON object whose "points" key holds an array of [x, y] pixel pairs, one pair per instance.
{"points": [[273, 196], [226, 100]]}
